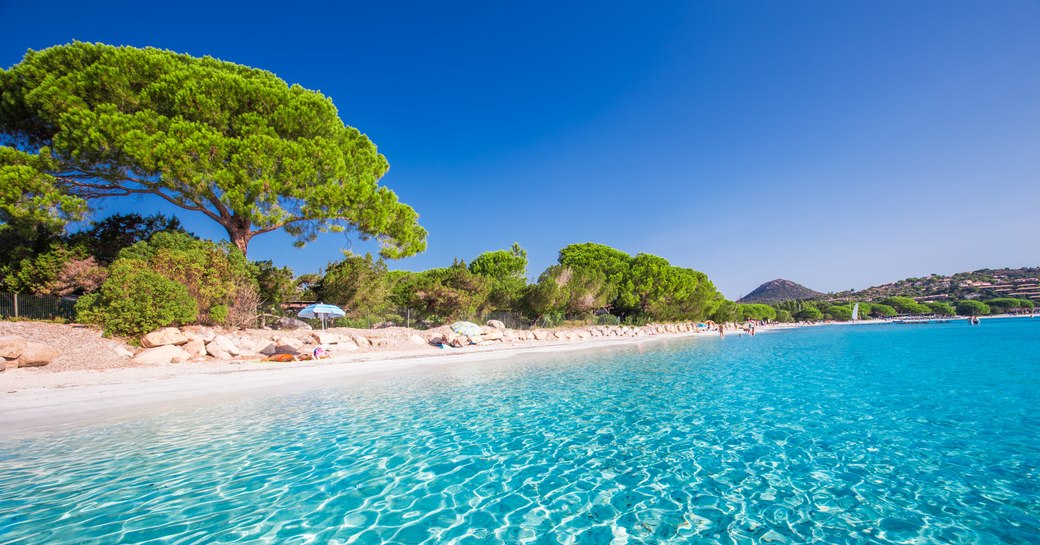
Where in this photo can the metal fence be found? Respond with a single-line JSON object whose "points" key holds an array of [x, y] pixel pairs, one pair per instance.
{"points": [[36, 307]]}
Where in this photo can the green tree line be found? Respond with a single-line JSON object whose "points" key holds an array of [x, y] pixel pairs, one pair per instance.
{"points": [[888, 307]]}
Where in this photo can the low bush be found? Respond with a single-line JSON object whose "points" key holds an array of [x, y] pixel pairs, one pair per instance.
{"points": [[134, 300]]}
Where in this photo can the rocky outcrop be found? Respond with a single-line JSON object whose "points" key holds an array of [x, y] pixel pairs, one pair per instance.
{"points": [[200, 343], [267, 348], [11, 347], [292, 324], [195, 348], [225, 344], [497, 324], [291, 349], [17, 352], [779, 290], [36, 355], [163, 337], [324, 337], [493, 335]]}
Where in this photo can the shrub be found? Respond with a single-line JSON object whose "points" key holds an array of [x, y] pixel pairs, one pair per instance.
{"points": [[882, 311], [608, 319], [1005, 304], [214, 274], [218, 314], [134, 300], [839, 313], [551, 319], [809, 314], [972, 308]]}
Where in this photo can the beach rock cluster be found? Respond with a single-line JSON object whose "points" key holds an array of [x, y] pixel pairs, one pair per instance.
{"points": [[18, 352], [496, 331], [197, 343]]}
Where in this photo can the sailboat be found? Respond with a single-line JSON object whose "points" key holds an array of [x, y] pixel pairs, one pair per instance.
{"points": [[855, 312]]}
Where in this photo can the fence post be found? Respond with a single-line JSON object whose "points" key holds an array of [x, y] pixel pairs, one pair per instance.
{"points": [[15, 304]]}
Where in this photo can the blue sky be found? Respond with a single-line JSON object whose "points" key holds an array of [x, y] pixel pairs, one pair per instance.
{"points": [[837, 144]]}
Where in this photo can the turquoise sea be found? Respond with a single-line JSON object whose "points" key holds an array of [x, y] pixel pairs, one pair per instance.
{"points": [[844, 434]]}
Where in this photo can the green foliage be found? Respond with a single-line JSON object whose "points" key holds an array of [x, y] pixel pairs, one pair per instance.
{"points": [[218, 314], [941, 309], [809, 314], [666, 292], [135, 300], [236, 144], [106, 238], [306, 286], [37, 274], [607, 319], [906, 305], [551, 319], [359, 285], [275, 285], [646, 285], [756, 311], [864, 310], [28, 194], [505, 269], [1002, 305], [442, 295], [784, 316], [214, 274], [613, 264], [969, 307], [510, 263], [882, 311], [840, 313], [562, 290], [725, 312]]}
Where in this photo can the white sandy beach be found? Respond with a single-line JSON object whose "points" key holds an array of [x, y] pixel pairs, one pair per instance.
{"points": [[30, 398], [34, 398]]}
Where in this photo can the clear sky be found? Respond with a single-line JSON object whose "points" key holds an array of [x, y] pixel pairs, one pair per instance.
{"points": [[836, 144]]}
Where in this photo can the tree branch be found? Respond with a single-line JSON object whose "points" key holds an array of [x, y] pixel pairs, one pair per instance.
{"points": [[115, 189]]}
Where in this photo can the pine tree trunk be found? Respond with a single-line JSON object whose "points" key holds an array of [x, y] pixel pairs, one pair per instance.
{"points": [[239, 236]]}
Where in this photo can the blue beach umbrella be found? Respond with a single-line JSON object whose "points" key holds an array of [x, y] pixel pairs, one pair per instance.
{"points": [[322, 312], [468, 329]]}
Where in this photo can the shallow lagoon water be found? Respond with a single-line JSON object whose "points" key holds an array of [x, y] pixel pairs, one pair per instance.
{"points": [[845, 434]]}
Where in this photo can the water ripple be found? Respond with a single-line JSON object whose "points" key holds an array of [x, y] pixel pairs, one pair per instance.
{"points": [[846, 435]]}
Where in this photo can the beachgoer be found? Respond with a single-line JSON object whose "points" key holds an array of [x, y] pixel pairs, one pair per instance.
{"points": [[320, 352]]}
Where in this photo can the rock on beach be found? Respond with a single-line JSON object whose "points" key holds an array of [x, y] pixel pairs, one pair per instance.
{"points": [[11, 347], [36, 355], [163, 337]]}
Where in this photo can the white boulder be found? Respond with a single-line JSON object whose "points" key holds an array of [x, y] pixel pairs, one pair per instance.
{"points": [[11, 347], [163, 337]]}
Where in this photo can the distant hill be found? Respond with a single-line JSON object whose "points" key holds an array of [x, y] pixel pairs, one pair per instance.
{"points": [[779, 290], [1022, 283]]}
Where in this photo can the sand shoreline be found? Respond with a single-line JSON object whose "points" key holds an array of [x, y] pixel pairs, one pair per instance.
{"points": [[45, 400], [42, 400]]}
